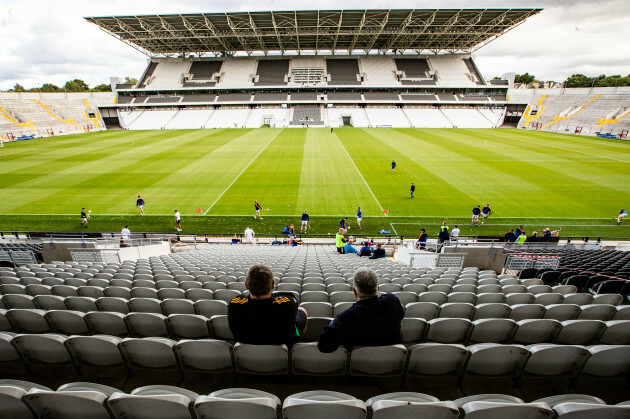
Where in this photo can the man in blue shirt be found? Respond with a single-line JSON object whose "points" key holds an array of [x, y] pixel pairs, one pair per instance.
{"points": [[344, 223], [359, 218], [393, 166], [305, 219], [485, 212], [475, 217], [622, 214], [257, 207], [371, 321], [140, 204], [518, 232], [412, 189]]}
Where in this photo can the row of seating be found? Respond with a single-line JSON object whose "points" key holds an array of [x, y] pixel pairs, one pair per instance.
{"points": [[102, 355], [443, 330], [20, 399]]}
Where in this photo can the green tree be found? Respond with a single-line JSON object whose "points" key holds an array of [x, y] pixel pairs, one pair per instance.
{"points": [[49, 87], [578, 80], [17, 88], [131, 80], [76, 85], [525, 78], [103, 87]]}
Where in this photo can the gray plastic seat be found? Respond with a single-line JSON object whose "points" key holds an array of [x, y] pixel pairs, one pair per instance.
{"points": [[583, 410], [410, 405], [188, 326], [493, 331], [177, 306], [457, 310], [67, 322], [493, 398], [119, 292], [547, 360], [448, 330], [378, 361], [84, 304], [519, 298], [424, 310], [97, 355], [607, 361], [491, 311], [18, 301], [261, 359], [160, 406], [526, 311], [562, 312], [237, 402], [413, 329], [209, 308], [28, 320], [491, 410], [321, 403], [146, 325], [150, 357], [205, 356], [317, 309], [49, 302], [603, 312], [580, 332], [531, 331], [43, 351], [306, 359], [13, 404], [492, 360], [106, 323], [145, 305], [437, 297], [115, 304], [617, 333], [220, 327], [547, 299]]}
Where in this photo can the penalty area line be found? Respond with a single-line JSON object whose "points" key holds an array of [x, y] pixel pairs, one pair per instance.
{"points": [[243, 171]]}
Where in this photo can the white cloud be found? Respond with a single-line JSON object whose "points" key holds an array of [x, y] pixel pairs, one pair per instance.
{"points": [[49, 41]]}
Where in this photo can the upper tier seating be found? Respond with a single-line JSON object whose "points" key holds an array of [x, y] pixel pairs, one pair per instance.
{"points": [[343, 71], [204, 70], [272, 72]]}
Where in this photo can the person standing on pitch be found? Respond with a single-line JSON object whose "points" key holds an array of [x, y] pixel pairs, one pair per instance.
{"points": [[344, 223], [455, 233], [622, 215], [412, 189], [84, 217], [140, 204], [359, 218], [178, 224], [485, 212], [393, 166], [257, 207], [475, 217], [305, 219]]}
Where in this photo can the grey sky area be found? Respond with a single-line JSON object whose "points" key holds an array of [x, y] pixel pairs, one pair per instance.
{"points": [[49, 41]]}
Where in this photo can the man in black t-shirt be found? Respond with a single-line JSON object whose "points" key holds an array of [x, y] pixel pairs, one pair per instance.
{"points": [[305, 219], [265, 318], [84, 217]]}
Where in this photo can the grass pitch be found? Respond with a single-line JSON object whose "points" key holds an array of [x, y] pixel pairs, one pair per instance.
{"points": [[531, 178]]}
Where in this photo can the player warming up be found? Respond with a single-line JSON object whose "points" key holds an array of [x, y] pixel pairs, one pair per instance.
{"points": [[344, 223], [475, 217], [178, 223], [140, 204], [305, 218], [622, 215], [485, 212], [412, 189], [359, 218], [84, 218], [257, 207], [393, 166]]}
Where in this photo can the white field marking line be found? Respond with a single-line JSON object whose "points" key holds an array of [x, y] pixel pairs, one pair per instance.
{"points": [[359, 172], [575, 151], [243, 171], [394, 228]]}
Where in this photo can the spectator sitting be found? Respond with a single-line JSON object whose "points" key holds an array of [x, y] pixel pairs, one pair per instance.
{"points": [[443, 236], [235, 239], [285, 230], [263, 317], [533, 238], [546, 235], [556, 233], [379, 252], [349, 248], [366, 250], [422, 240], [521, 238], [371, 321], [509, 236]]}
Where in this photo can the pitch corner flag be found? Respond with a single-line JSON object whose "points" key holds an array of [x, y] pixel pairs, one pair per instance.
{"points": [[386, 211], [198, 210]]}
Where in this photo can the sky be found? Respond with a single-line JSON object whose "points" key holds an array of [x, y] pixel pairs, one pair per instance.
{"points": [[46, 41]]}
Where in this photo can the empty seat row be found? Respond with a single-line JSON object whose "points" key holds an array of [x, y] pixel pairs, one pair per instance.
{"points": [[193, 326], [83, 399], [169, 359]]}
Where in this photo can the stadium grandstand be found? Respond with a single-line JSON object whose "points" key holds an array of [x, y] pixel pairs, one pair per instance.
{"points": [[136, 326]]}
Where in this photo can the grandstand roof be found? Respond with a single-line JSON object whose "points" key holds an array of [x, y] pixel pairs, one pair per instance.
{"points": [[287, 32]]}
